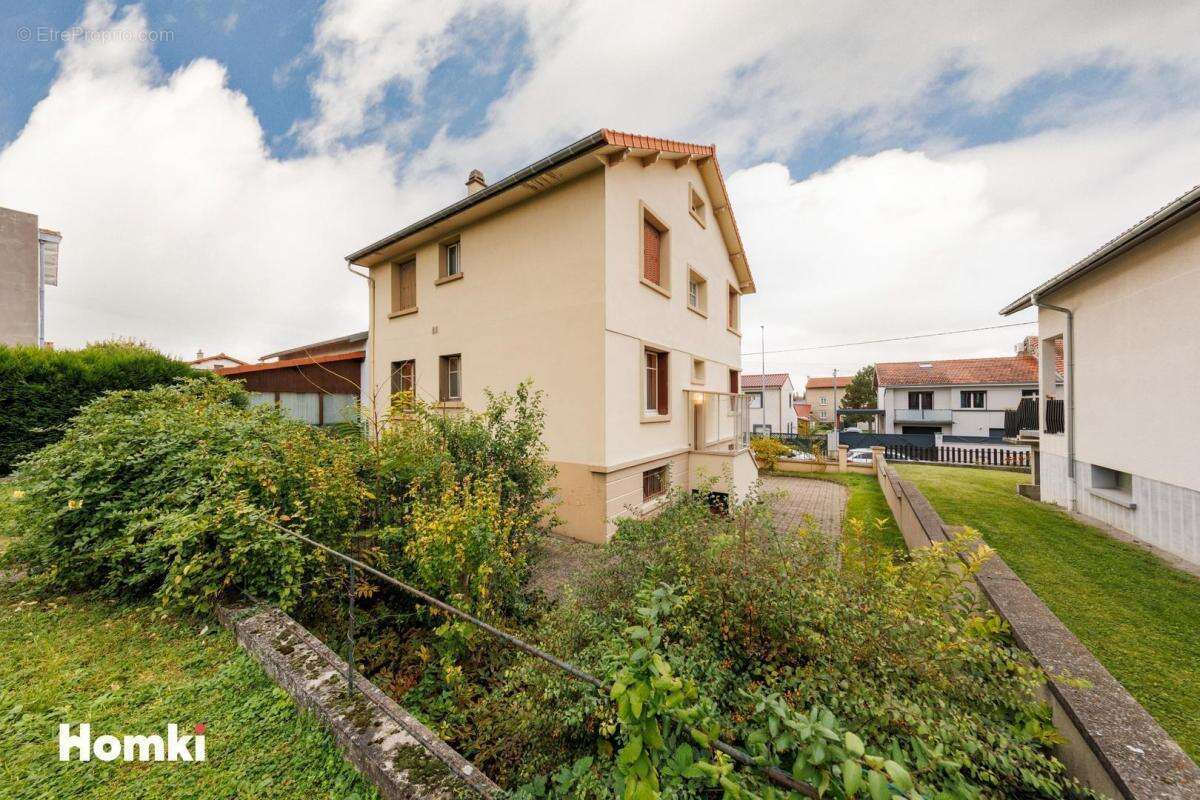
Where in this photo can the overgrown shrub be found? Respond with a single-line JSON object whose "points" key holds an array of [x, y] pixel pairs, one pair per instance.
{"points": [[167, 492], [40, 389], [786, 635], [768, 451]]}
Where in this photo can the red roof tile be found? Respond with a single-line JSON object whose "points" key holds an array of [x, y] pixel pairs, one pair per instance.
{"points": [[958, 372], [802, 409], [774, 380], [827, 383]]}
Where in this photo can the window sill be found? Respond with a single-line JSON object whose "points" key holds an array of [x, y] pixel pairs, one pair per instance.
{"points": [[699, 219], [652, 504], [655, 418], [660, 289], [448, 279], [734, 331], [449, 404], [695, 310], [1122, 499], [404, 312]]}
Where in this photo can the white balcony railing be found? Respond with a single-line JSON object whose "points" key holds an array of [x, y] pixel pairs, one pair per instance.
{"points": [[720, 421], [943, 415]]}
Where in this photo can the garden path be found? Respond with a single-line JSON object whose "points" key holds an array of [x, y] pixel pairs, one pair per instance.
{"points": [[795, 501]]}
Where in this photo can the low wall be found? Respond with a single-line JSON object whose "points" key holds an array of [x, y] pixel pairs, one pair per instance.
{"points": [[1113, 744], [388, 745]]}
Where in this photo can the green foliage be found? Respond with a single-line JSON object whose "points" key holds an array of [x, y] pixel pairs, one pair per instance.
{"points": [[168, 491], [860, 393], [40, 389], [767, 451], [791, 641]]}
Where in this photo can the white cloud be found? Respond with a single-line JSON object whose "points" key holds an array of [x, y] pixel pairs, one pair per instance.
{"points": [[901, 243], [179, 227]]}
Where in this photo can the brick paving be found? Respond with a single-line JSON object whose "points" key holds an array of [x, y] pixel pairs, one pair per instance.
{"points": [[807, 501]]}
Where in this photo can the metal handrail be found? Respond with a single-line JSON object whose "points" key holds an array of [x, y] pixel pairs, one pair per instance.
{"points": [[775, 774]]}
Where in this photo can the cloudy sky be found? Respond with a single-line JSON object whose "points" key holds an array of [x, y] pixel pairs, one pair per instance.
{"points": [[894, 172]]}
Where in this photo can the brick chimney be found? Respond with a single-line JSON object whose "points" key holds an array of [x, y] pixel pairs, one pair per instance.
{"points": [[475, 182]]}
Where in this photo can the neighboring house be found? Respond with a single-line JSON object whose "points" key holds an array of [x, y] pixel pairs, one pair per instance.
{"points": [[611, 273], [803, 417], [958, 397], [1117, 437], [823, 394], [770, 400], [218, 361], [28, 264], [318, 383]]}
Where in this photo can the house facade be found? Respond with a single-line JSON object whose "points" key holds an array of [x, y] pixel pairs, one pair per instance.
{"points": [[215, 361], [611, 274], [824, 394], [957, 397], [1125, 317], [770, 403], [28, 264]]}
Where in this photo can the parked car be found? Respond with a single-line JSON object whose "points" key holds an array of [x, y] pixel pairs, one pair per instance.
{"points": [[801, 455], [860, 455]]}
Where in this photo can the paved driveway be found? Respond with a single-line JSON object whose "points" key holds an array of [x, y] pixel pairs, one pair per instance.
{"points": [[803, 498]]}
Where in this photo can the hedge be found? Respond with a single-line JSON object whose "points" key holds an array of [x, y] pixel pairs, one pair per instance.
{"points": [[40, 389]]}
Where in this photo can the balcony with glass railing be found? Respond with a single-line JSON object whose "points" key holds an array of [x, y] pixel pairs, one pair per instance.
{"points": [[720, 422]]}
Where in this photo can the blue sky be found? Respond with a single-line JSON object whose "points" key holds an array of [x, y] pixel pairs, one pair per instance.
{"points": [[953, 155]]}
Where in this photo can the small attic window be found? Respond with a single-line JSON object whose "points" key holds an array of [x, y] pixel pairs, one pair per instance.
{"points": [[697, 207]]}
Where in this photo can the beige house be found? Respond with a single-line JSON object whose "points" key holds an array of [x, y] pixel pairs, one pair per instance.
{"points": [[824, 394], [1117, 437], [28, 264], [611, 273]]}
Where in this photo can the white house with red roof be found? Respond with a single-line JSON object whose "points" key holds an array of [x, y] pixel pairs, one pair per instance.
{"points": [[771, 400], [215, 361], [610, 272], [958, 397]]}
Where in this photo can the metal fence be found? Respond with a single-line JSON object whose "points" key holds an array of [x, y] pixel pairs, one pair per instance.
{"points": [[967, 456], [1023, 418], [1055, 419], [797, 441]]}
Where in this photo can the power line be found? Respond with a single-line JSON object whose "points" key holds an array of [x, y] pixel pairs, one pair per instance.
{"points": [[892, 339]]}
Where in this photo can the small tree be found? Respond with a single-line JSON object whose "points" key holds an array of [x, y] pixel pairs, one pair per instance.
{"points": [[861, 391]]}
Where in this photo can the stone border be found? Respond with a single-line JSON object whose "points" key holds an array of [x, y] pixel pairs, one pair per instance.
{"points": [[1113, 744], [388, 745]]}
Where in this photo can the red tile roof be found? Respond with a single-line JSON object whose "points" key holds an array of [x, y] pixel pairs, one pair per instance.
{"points": [[958, 372], [827, 383], [803, 410], [774, 380], [357, 355]]}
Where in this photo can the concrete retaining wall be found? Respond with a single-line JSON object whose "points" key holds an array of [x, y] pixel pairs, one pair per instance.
{"points": [[388, 745], [1113, 745]]}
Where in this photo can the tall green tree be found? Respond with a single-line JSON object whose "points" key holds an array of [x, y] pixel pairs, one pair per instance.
{"points": [[861, 391]]}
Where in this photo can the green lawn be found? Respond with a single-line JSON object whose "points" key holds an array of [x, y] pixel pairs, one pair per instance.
{"points": [[1136, 614], [126, 671], [866, 504]]}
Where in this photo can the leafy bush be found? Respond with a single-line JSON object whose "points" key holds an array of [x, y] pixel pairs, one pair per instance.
{"points": [[40, 389], [168, 491], [767, 452], [785, 636]]}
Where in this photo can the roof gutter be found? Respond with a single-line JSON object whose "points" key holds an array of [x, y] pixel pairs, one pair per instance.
{"points": [[568, 153], [1170, 215]]}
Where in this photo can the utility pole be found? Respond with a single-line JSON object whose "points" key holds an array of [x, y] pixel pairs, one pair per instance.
{"points": [[762, 344], [837, 434]]}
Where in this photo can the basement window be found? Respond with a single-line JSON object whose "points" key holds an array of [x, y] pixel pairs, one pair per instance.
{"points": [[654, 483], [1112, 485]]}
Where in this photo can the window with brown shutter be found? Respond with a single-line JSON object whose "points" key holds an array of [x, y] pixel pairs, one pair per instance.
{"points": [[654, 252], [733, 381], [656, 387], [651, 251], [404, 287], [450, 378], [404, 376]]}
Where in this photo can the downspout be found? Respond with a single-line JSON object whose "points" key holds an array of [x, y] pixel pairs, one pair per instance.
{"points": [[1070, 381], [370, 331]]}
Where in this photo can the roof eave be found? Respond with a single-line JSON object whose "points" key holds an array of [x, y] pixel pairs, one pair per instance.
{"points": [[1168, 216]]}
